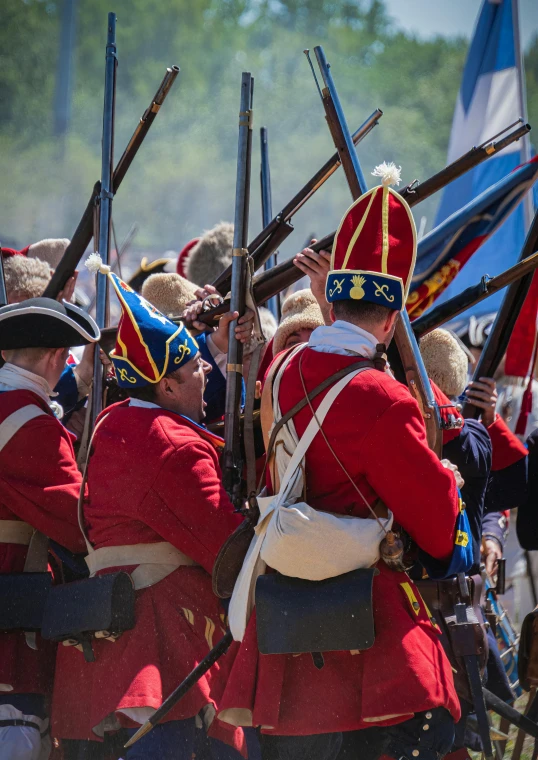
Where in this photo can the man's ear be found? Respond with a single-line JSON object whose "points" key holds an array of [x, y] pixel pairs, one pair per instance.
{"points": [[59, 356], [331, 314], [164, 386], [391, 319]]}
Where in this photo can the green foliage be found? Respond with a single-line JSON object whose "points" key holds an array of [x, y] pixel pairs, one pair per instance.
{"points": [[183, 180]]}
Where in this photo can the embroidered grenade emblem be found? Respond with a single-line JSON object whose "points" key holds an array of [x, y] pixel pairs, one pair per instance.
{"points": [[357, 291]]}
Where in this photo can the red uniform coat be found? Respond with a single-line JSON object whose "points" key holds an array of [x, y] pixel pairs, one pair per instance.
{"points": [[507, 448], [39, 484], [152, 477], [378, 433]]}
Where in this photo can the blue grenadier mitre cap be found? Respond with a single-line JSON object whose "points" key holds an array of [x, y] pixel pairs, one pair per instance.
{"points": [[148, 345]]}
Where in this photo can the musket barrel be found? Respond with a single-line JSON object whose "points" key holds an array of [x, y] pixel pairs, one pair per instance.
{"points": [[411, 359], [84, 232], [506, 318], [105, 206], [143, 126], [267, 213], [339, 129], [234, 368], [417, 193], [472, 295], [3, 290], [267, 284]]}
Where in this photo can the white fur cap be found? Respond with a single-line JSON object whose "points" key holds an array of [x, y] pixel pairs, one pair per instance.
{"points": [[50, 250], [169, 292], [446, 362], [299, 310], [25, 278]]}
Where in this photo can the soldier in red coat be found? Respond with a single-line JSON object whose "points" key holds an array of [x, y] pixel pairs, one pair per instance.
{"points": [[372, 447], [39, 487], [155, 508]]}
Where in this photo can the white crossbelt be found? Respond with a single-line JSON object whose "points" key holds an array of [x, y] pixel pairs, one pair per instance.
{"points": [[155, 561], [16, 531]]}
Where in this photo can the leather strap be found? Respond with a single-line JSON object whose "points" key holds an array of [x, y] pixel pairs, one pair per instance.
{"points": [[304, 401], [19, 722]]}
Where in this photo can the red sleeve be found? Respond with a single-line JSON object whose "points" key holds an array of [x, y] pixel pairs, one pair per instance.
{"points": [[410, 480], [40, 481], [507, 448], [195, 513]]}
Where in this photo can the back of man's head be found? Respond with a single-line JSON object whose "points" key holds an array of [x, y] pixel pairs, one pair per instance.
{"points": [[20, 356], [361, 313]]}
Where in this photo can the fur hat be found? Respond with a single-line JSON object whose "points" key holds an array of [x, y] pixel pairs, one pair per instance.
{"points": [[211, 255], [50, 251], [169, 292], [446, 362], [183, 255], [268, 325], [299, 310], [25, 278]]}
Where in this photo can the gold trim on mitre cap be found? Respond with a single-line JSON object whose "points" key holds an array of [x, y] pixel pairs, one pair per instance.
{"points": [[390, 173]]}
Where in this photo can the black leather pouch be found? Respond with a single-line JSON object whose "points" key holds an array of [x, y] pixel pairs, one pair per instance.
{"points": [[78, 610], [23, 597], [295, 616]]}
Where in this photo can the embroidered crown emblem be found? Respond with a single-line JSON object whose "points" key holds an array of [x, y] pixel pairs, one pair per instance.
{"points": [[357, 291]]}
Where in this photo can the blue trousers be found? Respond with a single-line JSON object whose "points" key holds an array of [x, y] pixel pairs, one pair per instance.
{"points": [[180, 740]]}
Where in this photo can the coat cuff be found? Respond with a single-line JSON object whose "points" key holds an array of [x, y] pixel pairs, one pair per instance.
{"points": [[507, 448]]}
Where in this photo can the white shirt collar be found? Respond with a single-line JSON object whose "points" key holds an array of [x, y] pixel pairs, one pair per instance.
{"points": [[143, 404]]}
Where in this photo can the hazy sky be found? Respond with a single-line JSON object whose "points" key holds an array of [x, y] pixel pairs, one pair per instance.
{"points": [[430, 17]]}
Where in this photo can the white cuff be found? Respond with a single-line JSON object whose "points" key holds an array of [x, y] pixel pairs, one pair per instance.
{"points": [[219, 357]]}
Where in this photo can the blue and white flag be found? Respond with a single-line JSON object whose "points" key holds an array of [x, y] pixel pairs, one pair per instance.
{"points": [[489, 100]]}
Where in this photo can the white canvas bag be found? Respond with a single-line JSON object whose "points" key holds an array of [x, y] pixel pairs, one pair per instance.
{"points": [[295, 539]]}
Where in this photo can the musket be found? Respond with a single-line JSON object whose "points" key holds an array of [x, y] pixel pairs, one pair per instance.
{"points": [[278, 229], [473, 295], [268, 284], [232, 459], [83, 234], [506, 318], [234, 373], [413, 365], [3, 290], [105, 208], [267, 212], [186, 685]]}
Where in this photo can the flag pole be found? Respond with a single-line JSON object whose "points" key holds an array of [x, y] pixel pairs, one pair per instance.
{"points": [[528, 205]]}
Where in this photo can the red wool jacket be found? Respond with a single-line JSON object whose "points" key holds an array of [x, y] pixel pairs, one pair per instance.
{"points": [[39, 484], [378, 433], [153, 476]]}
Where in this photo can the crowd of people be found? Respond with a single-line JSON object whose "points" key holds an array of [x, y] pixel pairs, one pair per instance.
{"points": [[348, 476]]}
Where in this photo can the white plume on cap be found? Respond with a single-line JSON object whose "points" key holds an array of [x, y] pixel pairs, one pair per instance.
{"points": [[389, 173], [94, 264]]}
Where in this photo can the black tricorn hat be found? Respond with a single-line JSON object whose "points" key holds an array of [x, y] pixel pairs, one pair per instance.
{"points": [[45, 323]]}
